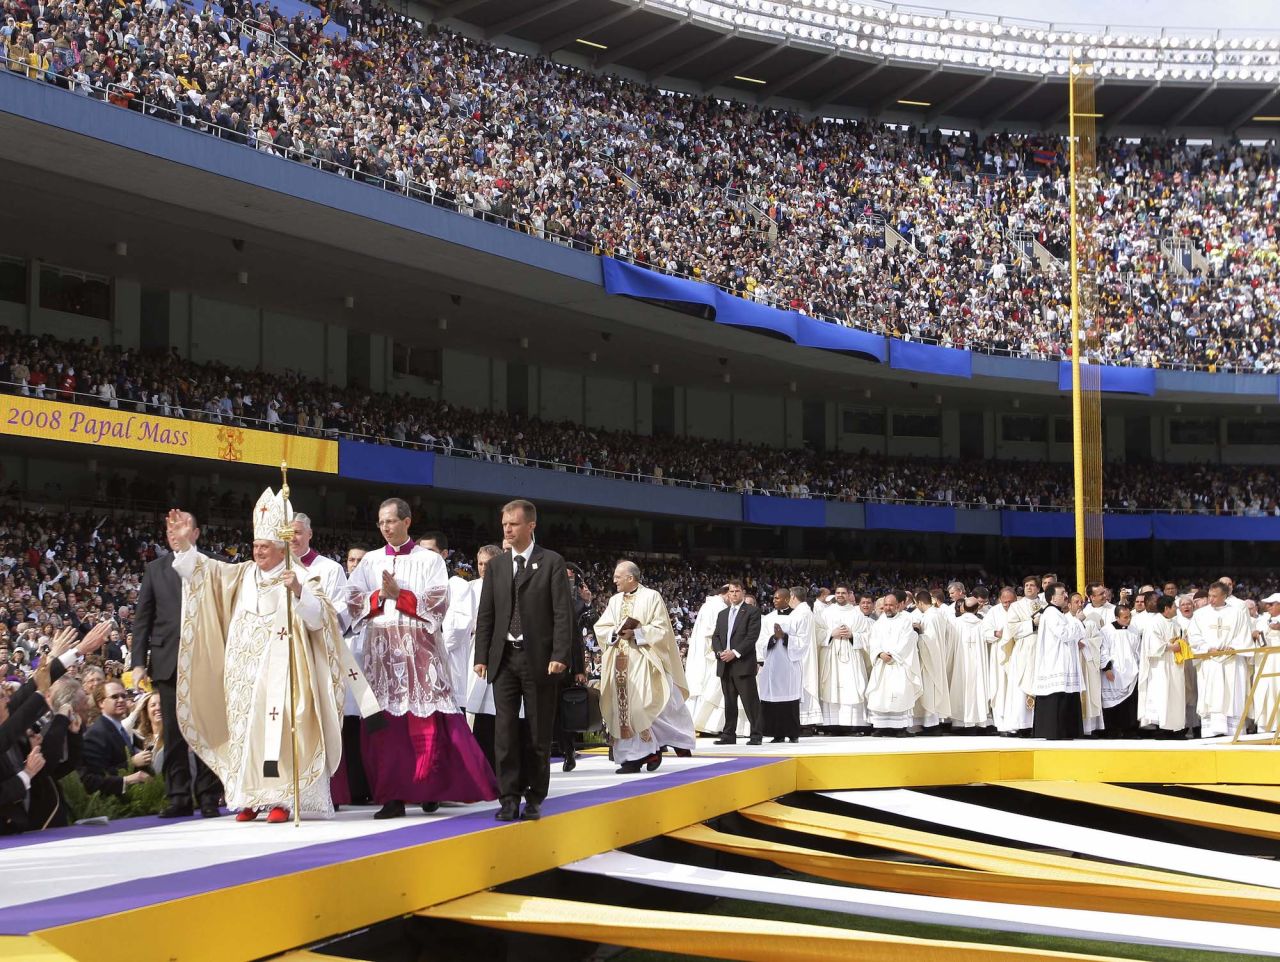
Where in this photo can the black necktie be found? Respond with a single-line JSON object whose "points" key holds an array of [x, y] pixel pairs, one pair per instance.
{"points": [[517, 629]]}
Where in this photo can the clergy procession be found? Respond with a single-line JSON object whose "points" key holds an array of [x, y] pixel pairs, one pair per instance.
{"points": [[305, 686]]}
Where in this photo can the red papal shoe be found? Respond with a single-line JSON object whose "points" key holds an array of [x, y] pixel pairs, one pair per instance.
{"points": [[246, 815], [278, 814]]}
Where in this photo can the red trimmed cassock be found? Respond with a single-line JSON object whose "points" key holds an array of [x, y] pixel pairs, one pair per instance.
{"points": [[426, 752]]}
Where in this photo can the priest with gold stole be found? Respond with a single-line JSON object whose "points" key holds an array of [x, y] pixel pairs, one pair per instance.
{"points": [[642, 682], [234, 699]]}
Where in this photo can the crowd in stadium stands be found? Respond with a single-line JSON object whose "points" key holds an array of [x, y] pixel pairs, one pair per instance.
{"points": [[165, 384], [763, 203]]}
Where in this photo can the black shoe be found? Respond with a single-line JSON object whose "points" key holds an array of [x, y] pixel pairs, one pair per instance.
{"points": [[653, 761], [684, 752], [178, 810], [570, 763], [794, 741], [509, 811], [214, 810], [393, 809], [755, 740], [776, 741], [532, 812], [631, 768], [722, 740], [430, 807]]}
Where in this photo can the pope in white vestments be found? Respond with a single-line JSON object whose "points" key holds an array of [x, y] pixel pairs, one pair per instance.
{"points": [[843, 682], [1223, 680], [1164, 696], [895, 684], [642, 680], [234, 699]]}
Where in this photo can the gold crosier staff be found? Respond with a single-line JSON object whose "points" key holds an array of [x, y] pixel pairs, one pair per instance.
{"points": [[287, 533]]}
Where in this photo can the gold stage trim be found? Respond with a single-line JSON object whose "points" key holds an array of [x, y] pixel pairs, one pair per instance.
{"points": [[988, 857], [716, 937], [1189, 811], [1258, 793], [1012, 889]]}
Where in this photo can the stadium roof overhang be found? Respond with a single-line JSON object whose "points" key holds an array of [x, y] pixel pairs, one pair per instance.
{"points": [[680, 52]]}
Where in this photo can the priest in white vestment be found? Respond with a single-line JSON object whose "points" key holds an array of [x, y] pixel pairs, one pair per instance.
{"points": [[234, 697], [358, 699], [936, 647], [1019, 645], [1120, 659], [426, 754], [1266, 697], [895, 685], [970, 673], [1164, 696], [810, 687], [843, 683], [706, 700], [1059, 680], [1223, 680], [1090, 668], [1188, 604], [1099, 610], [642, 680]]}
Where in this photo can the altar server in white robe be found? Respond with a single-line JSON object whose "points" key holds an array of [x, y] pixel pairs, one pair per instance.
{"points": [[642, 680], [895, 684], [1090, 668], [1060, 639], [1223, 680], [936, 646], [971, 672], [706, 700], [458, 628], [234, 698], [785, 635], [1164, 697], [843, 685], [479, 703], [1266, 697], [1120, 655]]}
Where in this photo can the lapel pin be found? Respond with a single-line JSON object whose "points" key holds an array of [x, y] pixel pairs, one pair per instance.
{"points": [[535, 566]]}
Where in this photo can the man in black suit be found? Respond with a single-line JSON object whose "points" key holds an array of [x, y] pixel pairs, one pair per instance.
{"points": [[734, 644], [524, 641], [157, 621], [108, 747]]}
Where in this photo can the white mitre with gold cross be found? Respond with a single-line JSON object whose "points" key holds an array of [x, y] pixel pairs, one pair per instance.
{"points": [[270, 514]]}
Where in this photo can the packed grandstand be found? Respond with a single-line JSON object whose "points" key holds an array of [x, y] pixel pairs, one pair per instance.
{"points": [[919, 235]]}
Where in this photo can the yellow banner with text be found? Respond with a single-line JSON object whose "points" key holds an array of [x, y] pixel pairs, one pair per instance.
{"points": [[106, 427]]}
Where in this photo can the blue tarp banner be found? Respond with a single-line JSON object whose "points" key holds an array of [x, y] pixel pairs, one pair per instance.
{"points": [[786, 512], [910, 517], [1114, 380], [381, 462], [1037, 524], [1203, 527], [632, 281], [1126, 527], [929, 358]]}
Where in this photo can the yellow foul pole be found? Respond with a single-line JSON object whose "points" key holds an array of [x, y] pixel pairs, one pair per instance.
{"points": [[1077, 414]]}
